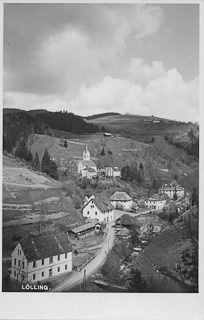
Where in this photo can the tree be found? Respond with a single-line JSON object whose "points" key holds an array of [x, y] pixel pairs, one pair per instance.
{"points": [[136, 282], [141, 166], [153, 139], [61, 141], [175, 197], [65, 144], [194, 197], [102, 152], [110, 269], [36, 162], [21, 149], [29, 156], [103, 129], [45, 162], [52, 169]]}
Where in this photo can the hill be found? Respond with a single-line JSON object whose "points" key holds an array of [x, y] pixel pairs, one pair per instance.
{"points": [[101, 115], [141, 128]]}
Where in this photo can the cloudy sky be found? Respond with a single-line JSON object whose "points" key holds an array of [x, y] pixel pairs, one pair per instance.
{"points": [[94, 58]]}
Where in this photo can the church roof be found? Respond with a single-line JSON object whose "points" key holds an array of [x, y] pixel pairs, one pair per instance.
{"points": [[88, 163]]}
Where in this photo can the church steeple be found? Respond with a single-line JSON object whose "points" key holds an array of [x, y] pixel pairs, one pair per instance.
{"points": [[86, 153]]}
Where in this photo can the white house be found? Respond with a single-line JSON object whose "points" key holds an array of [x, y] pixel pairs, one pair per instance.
{"points": [[171, 188], [87, 167], [155, 202], [121, 200], [41, 258], [99, 208], [113, 172]]}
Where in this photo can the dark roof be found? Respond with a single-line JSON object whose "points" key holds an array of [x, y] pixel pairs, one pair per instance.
{"points": [[118, 196], [89, 169], [44, 247], [125, 220], [103, 203], [84, 227]]}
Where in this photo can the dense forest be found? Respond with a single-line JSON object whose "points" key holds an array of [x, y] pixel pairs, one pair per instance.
{"points": [[17, 125]]}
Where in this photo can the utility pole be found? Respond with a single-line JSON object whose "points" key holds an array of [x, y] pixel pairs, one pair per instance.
{"points": [[84, 280]]}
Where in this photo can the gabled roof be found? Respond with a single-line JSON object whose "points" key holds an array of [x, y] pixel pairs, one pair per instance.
{"points": [[44, 247], [87, 163], [125, 220], [84, 227], [118, 196], [172, 185], [103, 203], [89, 169]]}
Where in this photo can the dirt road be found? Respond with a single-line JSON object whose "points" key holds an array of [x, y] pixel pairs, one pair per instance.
{"points": [[77, 277]]}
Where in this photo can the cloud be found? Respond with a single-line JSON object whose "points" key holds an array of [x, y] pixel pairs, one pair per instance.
{"points": [[140, 72]]}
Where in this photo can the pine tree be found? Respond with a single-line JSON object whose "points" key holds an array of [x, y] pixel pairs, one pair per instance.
{"points": [[65, 144], [21, 150], [29, 156], [45, 162], [102, 152], [36, 162], [137, 282]]}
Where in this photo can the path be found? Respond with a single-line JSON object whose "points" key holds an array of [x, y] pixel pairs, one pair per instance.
{"points": [[34, 186], [77, 277]]}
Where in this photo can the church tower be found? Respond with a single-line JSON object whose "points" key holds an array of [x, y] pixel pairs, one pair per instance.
{"points": [[86, 153]]}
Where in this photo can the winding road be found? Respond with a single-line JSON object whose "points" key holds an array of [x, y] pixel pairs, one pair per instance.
{"points": [[76, 278]]}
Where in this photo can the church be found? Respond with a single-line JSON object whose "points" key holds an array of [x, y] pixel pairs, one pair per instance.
{"points": [[87, 167]]}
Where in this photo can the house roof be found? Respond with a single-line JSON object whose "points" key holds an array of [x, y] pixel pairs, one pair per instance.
{"points": [[88, 163], [157, 197], [89, 169], [103, 203], [118, 196], [172, 185], [84, 227], [44, 247], [125, 220], [124, 232]]}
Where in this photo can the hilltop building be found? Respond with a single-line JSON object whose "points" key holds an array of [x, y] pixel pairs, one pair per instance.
{"points": [[87, 167], [173, 188], [121, 200], [99, 208], [41, 258]]}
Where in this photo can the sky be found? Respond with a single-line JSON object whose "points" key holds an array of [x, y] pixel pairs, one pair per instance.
{"points": [[95, 58]]}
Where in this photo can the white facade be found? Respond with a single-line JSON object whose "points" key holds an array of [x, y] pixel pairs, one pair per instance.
{"points": [[92, 211], [113, 172], [39, 270], [122, 204], [155, 204]]}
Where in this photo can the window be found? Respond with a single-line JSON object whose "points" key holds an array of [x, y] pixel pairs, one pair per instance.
{"points": [[20, 252], [19, 263], [42, 262], [58, 258], [23, 265], [51, 259], [34, 264], [33, 276], [96, 213], [15, 261], [14, 273], [87, 212], [43, 274], [65, 266], [65, 255], [58, 269]]}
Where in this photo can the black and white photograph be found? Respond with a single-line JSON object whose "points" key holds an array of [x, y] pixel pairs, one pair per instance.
{"points": [[100, 149]]}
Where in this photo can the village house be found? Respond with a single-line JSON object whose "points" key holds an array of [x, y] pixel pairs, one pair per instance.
{"points": [[173, 188], [87, 167], [86, 230], [121, 200], [156, 202], [125, 221], [98, 208], [112, 172], [41, 258]]}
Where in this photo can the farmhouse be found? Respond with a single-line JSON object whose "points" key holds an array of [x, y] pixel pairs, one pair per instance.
{"points": [[87, 167], [41, 258], [85, 230], [121, 200], [173, 188], [99, 207], [156, 202]]}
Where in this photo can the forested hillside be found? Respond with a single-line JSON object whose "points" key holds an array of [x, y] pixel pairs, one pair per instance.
{"points": [[17, 125]]}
